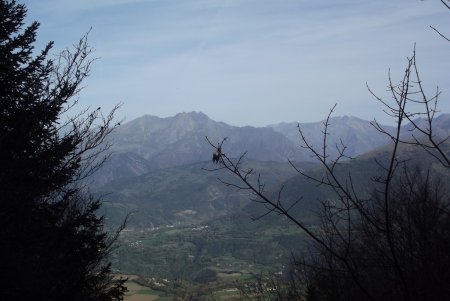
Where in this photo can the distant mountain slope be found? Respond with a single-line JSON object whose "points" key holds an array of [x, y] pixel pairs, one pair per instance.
{"points": [[180, 140], [185, 194], [443, 122], [120, 165], [149, 142], [363, 170], [357, 134], [441, 126]]}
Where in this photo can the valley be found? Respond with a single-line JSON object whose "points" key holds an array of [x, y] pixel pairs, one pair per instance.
{"points": [[188, 233], [204, 259]]}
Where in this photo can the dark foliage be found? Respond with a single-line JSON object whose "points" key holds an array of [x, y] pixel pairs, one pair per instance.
{"points": [[421, 241], [52, 243]]}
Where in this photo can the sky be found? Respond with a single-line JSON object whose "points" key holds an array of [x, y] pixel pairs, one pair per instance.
{"points": [[249, 62]]}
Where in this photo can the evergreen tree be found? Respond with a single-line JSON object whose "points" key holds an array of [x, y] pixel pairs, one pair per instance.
{"points": [[52, 243]]}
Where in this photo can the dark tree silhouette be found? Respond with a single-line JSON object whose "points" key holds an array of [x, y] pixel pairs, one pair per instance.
{"points": [[52, 243]]}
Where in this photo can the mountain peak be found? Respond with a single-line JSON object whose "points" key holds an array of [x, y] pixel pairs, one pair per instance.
{"points": [[347, 118], [195, 116], [193, 113]]}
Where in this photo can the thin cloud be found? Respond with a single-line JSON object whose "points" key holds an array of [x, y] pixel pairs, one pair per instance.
{"points": [[294, 57]]}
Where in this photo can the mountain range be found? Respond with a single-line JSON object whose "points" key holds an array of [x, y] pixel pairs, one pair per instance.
{"points": [[159, 166], [150, 143], [185, 219]]}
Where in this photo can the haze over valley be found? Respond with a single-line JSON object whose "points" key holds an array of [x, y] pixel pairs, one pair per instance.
{"points": [[185, 223]]}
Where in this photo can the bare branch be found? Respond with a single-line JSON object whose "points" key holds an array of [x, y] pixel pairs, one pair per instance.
{"points": [[443, 2]]}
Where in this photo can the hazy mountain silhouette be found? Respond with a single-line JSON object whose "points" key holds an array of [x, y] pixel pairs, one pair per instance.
{"points": [[358, 135], [149, 142], [180, 140]]}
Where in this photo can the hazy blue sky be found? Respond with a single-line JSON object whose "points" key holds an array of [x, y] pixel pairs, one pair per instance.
{"points": [[249, 62]]}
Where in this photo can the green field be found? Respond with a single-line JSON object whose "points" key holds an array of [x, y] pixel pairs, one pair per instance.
{"points": [[202, 260]]}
